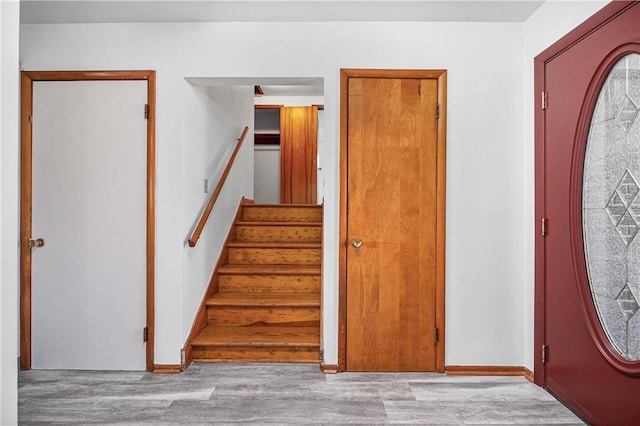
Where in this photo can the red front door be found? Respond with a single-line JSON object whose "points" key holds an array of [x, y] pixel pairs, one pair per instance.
{"points": [[584, 365]]}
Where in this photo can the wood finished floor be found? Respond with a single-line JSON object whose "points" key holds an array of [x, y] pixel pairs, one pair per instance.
{"points": [[219, 394]]}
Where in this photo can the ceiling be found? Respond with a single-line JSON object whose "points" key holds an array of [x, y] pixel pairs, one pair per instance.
{"points": [[112, 11], [272, 86], [148, 11]]}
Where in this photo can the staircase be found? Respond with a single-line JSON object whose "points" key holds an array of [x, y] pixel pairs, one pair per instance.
{"points": [[267, 304]]}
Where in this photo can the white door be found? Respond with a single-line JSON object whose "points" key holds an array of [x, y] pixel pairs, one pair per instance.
{"points": [[89, 191]]}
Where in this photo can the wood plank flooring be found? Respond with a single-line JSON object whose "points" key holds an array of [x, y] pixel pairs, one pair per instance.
{"points": [[219, 394]]}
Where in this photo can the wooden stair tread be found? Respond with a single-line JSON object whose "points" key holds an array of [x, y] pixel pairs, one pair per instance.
{"points": [[267, 223], [270, 269], [274, 244], [265, 299], [258, 336], [282, 213], [268, 205]]}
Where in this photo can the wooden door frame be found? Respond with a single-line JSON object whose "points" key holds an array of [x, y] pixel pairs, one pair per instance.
{"points": [[441, 77], [598, 20], [28, 77]]}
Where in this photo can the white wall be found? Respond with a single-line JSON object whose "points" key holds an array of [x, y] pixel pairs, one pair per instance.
{"points": [[266, 178], [485, 250], [9, 131], [212, 121], [267, 174], [547, 25]]}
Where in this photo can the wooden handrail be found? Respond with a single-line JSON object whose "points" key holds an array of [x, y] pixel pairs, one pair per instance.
{"points": [[214, 197]]}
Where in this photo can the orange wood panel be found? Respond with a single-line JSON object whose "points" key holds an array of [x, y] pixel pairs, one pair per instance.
{"points": [[270, 283], [25, 221], [256, 354], [487, 370], [299, 152], [167, 369], [301, 254], [278, 213], [392, 194], [272, 316], [278, 231], [269, 278], [257, 344], [441, 215], [151, 218], [329, 368], [268, 106], [259, 336], [243, 299]]}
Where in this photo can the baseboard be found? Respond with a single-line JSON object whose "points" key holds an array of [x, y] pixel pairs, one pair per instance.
{"points": [[464, 370], [528, 374], [488, 370], [329, 368], [167, 369]]}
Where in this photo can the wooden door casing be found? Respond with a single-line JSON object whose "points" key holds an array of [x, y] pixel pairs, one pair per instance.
{"points": [[391, 311], [28, 78], [576, 369], [298, 155]]}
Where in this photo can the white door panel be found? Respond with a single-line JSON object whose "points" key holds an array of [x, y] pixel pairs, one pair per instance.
{"points": [[89, 192]]}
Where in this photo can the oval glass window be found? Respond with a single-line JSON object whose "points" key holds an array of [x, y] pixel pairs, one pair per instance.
{"points": [[611, 206]]}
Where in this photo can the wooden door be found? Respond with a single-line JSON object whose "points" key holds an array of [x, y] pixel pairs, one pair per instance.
{"points": [[587, 278], [392, 224], [298, 155], [85, 193]]}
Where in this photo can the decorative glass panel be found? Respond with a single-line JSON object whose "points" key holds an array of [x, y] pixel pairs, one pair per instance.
{"points": [[611, 206]]}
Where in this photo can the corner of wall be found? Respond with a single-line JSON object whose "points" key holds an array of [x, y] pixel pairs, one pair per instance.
{"points": [[9, 119]]}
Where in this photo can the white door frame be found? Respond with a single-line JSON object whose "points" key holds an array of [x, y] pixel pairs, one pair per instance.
{"points": [[28, 77]]}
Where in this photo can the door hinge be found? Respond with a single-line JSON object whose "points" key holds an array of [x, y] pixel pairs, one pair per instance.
{"points": [[145, 334], [146, 111], [545, 354], [545, 100], [182, 357], [437, 111], [322, 355], [544, 226], [30, 118], [436, 335]]}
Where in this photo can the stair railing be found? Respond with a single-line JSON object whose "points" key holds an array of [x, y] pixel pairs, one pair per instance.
{"points": [[214, 197]]}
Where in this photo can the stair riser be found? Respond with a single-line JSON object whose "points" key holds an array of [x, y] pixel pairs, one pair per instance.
{"points": [[269, 283], [282, 214], [241, 316], [279, 233], [274, 256], [255, 354]]}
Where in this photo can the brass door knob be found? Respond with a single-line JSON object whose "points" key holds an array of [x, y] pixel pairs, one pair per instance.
{"points": [[356, 242], [39, 242]]}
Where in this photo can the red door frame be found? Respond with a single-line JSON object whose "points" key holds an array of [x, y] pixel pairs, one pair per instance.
{"points": [[601, 18]]}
